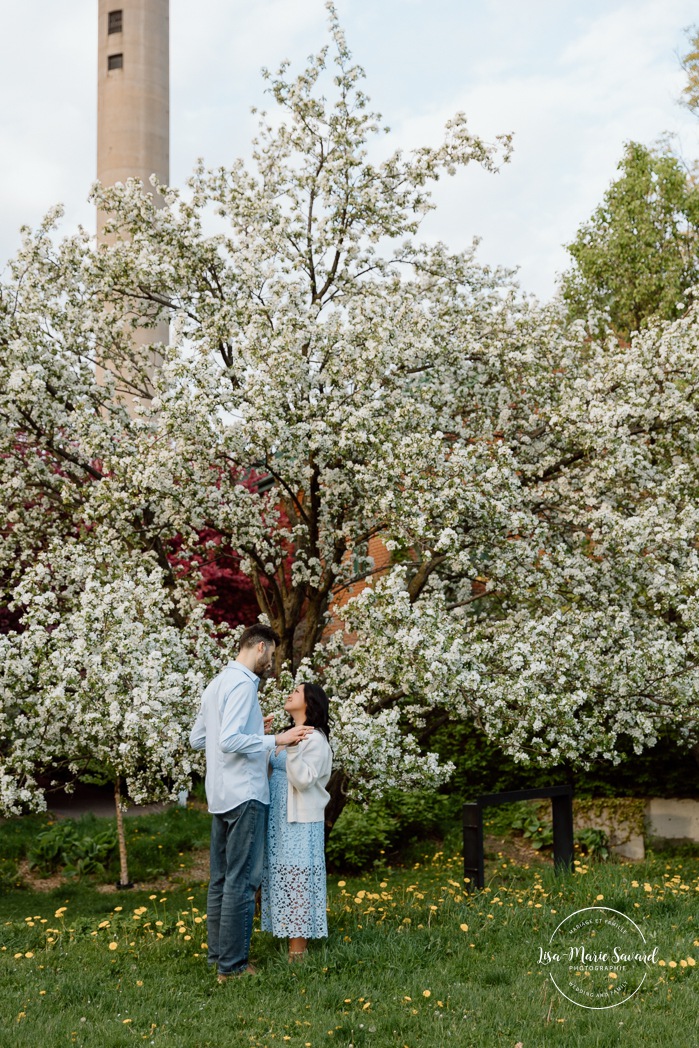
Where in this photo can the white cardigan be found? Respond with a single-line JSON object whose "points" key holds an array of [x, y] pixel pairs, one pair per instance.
{"points": [[308, 768]]}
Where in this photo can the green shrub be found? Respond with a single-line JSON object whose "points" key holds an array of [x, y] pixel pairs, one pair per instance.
{"points": [[593, 842], [157, 845], [418, 815], [9, 876], [394, 823], [76, 847], [359, 837], [501, 819], [539, 832]]}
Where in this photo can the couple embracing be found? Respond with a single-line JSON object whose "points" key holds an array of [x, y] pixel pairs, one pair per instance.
{"points": [[267, 797]]}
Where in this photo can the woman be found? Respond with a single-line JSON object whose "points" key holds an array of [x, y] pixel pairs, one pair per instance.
{"points": [[293, 883]]}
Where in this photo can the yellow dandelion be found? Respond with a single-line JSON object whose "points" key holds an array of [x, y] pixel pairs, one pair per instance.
{"points": [[672, 964], [29, 953], [464, 927], [426, 993], [113, 945]]}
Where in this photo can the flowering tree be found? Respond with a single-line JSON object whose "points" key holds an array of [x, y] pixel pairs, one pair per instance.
{"points": [[535, 492], [101, 675]]}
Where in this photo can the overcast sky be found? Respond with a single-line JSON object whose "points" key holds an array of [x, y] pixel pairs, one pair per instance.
{"points": [[572, 81]]}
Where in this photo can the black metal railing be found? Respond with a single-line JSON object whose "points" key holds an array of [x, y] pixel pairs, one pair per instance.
{"points": [[562, 814]]}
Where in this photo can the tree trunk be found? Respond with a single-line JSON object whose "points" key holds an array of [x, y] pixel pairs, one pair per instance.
{"points": [[337, 788], [121, 838]]}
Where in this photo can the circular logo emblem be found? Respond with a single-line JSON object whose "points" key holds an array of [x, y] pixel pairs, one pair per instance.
{"points": [[597, 958]]}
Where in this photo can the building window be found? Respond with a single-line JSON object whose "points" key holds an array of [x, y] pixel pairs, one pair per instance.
{"points": [[116, 21], [115, 62]]}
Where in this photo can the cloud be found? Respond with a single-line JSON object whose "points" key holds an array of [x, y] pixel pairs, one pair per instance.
{"points": [[614, 81]]}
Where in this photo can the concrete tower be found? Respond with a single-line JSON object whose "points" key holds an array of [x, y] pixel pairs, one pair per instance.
{"points": [[133, 100]]}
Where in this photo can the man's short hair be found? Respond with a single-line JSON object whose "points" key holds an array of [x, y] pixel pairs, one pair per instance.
{"points": [[254, 634]]}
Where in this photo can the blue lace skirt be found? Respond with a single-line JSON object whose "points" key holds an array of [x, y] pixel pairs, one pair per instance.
{"points": [[293, 882]]}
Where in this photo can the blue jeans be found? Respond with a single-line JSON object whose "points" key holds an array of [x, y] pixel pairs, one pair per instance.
{"points": [[237, 848]]}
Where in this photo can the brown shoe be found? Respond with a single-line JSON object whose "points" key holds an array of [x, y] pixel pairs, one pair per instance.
{"points": [[248, 970]]}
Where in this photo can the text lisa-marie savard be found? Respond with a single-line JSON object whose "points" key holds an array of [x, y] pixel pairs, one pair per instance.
{"points": [[585, 957]]}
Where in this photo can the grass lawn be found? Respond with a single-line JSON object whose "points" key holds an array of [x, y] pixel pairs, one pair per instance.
{"points": [[410, 961]]}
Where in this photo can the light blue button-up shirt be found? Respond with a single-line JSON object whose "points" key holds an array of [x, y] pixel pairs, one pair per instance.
{"points": [[229, 726]]}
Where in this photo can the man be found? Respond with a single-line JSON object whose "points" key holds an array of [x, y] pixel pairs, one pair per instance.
{"points": [[231, 728]]}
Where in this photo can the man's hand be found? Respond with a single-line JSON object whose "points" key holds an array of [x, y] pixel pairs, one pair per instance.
{"points": [[268, 720], [293, 735]]}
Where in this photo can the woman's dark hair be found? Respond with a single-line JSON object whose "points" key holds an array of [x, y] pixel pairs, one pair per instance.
{"points": [[317, 708]]}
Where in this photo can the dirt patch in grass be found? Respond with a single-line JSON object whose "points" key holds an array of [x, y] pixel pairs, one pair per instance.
{"points": [[35, 882], [197, 872], [515, 848]]}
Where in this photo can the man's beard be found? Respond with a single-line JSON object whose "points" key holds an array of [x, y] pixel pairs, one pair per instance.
{"points": [[263, 667]]}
